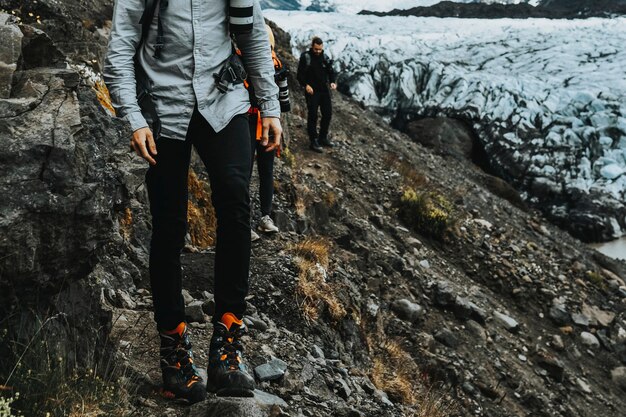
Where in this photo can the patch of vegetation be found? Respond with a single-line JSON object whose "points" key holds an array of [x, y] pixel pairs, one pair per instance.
{"points": [[312, 258], [48, 370], [427, 212], [396, 373], [288, 157]]}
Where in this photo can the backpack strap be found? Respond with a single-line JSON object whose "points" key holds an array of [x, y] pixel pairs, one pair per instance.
{"points": [[307, 58], [146, 20]]}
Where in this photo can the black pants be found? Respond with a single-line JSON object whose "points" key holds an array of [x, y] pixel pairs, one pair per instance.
{"points": [[265, 167], [321, 100], [226, 156]]}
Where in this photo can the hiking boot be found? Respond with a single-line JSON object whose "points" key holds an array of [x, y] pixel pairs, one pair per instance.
{"points": [[315, 146], [267, 225], [181, 379], [227, 375], [326, 142], [254, 236]]}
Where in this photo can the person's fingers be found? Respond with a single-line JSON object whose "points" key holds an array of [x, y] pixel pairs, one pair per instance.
{"points": [[265, 135], [144, 152], [278, 133], [151, 143], [132, 146]]}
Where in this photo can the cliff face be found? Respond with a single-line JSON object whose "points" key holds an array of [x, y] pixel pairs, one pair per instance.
{"points": [[400, 279]]}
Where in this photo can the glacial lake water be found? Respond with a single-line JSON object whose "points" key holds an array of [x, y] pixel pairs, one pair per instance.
{"points": [[615, 249]]}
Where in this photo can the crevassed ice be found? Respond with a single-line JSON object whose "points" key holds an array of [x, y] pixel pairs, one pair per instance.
{"points": [[558, 85]]}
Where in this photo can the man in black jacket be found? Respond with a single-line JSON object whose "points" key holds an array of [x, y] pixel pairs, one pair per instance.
{"points": [[316, 74]]}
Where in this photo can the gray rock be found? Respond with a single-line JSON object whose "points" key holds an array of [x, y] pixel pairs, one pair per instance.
{"points": [[580, 320], [125, 300], [342, 388], [255, 323], [557, 342], [424, 264], [317, 352], [272, 370], [10, 51], [187, 297], [407, 310], [476, 329], [447, 337], [597, 316], [444, 294], [372, 309], [589, 340], [267, 400], [208, 306], [194, 312], [464, 309], [618, 376], [235, 407], [559, 315], [508, 322], [552, 365]]}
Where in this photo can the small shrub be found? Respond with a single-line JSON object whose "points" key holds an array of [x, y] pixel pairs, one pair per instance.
{"points": [[312, 258], [49, 370], [427, 212], [288, 157]]}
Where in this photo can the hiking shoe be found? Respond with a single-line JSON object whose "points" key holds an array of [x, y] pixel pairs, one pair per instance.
{"points": [[267, 225], [326, 142], [181, 379], [227, 375], [254, 236], [315, 146]]}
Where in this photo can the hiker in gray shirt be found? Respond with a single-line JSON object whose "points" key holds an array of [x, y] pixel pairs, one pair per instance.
{"points": [[172, 75]]}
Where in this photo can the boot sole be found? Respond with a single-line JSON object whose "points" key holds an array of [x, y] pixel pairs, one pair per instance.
{"points": [[235, 392]]}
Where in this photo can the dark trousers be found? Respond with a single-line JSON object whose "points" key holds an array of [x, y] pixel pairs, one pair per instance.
{"points": [[226, 156], [321, 100], [265, 167]]}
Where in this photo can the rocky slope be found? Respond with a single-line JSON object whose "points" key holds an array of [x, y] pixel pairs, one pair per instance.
{"points": [[353, 312]]}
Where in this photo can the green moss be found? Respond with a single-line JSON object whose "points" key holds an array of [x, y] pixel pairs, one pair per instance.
{"points": [[427, 212]]}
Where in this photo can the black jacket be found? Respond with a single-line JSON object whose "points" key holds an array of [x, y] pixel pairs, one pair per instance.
{"points": [[316, 71]]}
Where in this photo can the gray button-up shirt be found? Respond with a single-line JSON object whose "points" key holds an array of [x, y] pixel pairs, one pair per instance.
{"points": [[197, 44]]}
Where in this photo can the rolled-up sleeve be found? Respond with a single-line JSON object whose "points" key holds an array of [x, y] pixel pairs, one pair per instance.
{"points": [[257, 57], [119, 67]]}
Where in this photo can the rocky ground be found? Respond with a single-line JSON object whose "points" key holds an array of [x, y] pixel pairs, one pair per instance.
{"points": [[352, 311]]}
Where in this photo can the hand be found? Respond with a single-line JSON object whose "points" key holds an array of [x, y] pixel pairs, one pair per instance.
{"points": [[143, 144], [333, 86], [309, 89], [271, 124]]}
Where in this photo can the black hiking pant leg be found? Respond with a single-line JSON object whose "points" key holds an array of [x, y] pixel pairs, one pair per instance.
{"points": [[265, 168], [312, 102], [167, 192], [326, 109], [227, 155]]}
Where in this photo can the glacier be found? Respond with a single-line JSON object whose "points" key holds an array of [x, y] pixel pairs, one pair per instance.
{"points": [[547, 98]]}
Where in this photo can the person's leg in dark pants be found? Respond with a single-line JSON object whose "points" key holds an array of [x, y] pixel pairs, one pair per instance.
{"points": [[313, 102], [167, 191], [227, 155], [265, 167], [327, 113]]}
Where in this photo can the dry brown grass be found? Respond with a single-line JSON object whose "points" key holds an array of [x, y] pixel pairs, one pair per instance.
{"points": [[312, 259], [410, 176], [102, 93], [395, 372], [200, 213], [126, 224]]}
